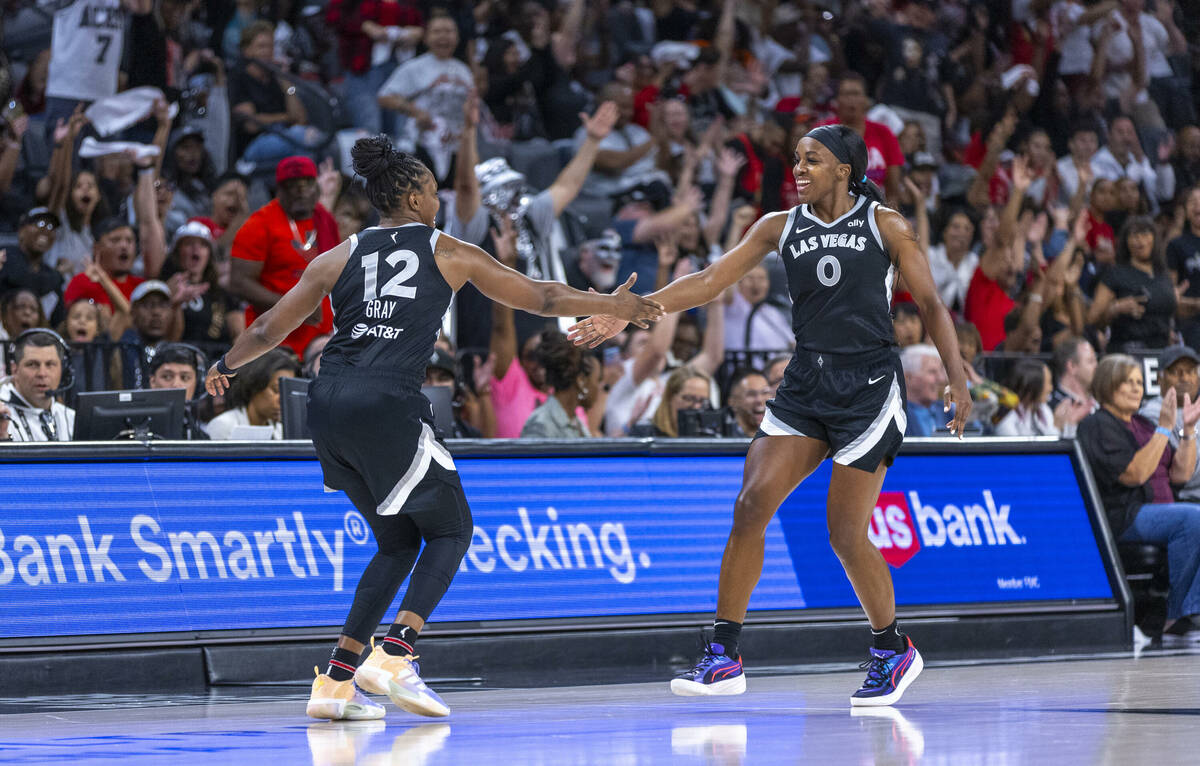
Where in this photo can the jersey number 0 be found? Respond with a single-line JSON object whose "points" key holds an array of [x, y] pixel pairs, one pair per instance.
{"points": [[829, 270], [395, 286]]}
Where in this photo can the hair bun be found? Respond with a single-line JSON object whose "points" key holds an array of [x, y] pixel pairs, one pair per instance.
{"points": [[372, 156]]}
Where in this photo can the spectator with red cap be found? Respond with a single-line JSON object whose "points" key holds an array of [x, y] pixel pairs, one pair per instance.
{"points": [[276, 244]]}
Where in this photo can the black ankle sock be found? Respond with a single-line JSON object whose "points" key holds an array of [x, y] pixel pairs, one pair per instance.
{"points": [[726, 634], [400, 640], [342, 664], [889, 639]]}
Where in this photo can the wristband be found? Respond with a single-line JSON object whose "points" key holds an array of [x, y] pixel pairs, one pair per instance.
{"points": [[223, 368], [143, 171], [1164, 431]]}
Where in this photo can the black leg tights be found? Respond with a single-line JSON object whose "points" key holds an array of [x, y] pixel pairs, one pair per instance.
{"points": [[446, 531]]}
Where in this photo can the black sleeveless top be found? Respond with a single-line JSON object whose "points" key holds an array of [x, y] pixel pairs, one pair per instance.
{"points": [[388, 303], [840, 278]]}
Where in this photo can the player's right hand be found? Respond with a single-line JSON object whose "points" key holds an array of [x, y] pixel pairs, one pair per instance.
{"points": [[215, 383], [594, 330], [635, 308]]}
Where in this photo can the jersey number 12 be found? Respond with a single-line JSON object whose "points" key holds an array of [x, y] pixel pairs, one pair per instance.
{"points": [[395, 286]]}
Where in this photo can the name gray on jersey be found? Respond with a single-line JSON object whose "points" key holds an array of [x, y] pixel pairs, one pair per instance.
{"points": [[380, 310]]}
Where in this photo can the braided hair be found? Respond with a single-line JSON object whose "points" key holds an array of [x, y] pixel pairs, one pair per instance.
{"points": [[388, 174], [849, 149]]}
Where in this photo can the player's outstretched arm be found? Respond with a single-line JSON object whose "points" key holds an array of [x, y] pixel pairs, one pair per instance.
{"points": [[297, 305], [901, 241], [461, 263], [699, 288]]}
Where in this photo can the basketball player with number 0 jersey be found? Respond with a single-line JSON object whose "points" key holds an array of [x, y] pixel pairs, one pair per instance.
{"points": [[389, 287], [842, 395]]}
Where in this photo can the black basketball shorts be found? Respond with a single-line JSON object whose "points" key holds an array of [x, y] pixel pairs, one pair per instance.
{"points": [[377, 430], [853, 403]]}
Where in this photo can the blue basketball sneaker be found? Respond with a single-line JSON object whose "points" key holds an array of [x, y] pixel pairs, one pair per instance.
{"points": [[888, 675], [716, 673]]}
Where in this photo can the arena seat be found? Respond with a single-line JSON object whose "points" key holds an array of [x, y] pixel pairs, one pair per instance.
{"points": [[1145, 566]]}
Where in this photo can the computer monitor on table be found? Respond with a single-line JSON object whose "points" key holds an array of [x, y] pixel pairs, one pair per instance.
{"points": [[139, 415], [442, 399], [293, 407], [293, 404]]}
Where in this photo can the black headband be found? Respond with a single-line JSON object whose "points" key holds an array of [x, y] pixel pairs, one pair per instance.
{"points": [[832, 139]]}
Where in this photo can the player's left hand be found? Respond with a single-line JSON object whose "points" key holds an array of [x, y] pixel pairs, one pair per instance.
{"points": [[215, 383], [956, 394]]}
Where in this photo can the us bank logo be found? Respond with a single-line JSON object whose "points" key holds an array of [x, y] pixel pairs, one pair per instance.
{"points": [[902, 525]]}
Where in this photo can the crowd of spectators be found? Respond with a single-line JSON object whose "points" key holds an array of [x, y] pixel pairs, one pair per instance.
{"points": [[169, 168]]}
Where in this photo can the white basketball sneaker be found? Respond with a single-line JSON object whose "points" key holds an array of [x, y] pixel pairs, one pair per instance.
{"points": [[399, 678], [341, 701]]}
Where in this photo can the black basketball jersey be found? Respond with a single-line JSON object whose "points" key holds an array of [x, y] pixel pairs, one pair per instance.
{"points": [[388, 302], [840, 278]]}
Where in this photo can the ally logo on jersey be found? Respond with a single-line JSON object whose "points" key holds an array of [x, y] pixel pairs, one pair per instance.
{"points": [[901, 525]]}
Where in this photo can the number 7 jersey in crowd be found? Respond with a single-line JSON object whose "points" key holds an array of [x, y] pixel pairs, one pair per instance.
{"points": [[840, 278], [388, 302]]}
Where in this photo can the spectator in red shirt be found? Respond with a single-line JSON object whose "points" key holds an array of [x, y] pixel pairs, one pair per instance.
{"points": [[884, 158], [276, 244], [115, 250], [989, 298], [1102, 201], [1047, 186], [361, 26]]}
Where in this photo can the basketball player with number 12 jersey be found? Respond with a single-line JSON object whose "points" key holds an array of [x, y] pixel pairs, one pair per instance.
{"points": [[372, 429]]}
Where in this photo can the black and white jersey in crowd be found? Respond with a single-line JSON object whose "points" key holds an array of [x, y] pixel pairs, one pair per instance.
{"points": [[840, 278], [388, 302], [85, 48]]}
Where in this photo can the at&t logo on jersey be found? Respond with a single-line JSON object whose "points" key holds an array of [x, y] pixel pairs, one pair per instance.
{"points": [[378, 331], [901, 526]]}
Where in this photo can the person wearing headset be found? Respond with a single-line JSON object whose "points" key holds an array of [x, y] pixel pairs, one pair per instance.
{"points": [[175, 365], [180, 365], [28, 409]]}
